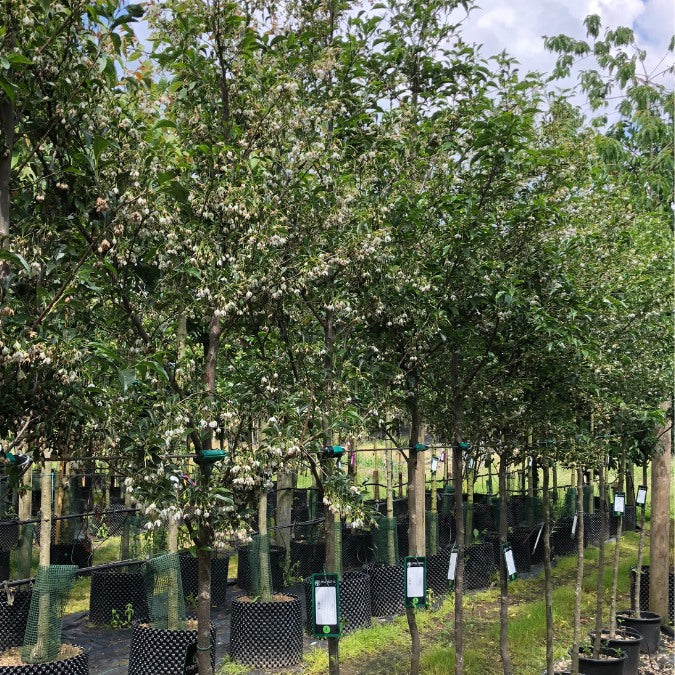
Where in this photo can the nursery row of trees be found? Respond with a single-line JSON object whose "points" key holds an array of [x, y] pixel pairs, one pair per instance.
{"points": [[267, 228]]}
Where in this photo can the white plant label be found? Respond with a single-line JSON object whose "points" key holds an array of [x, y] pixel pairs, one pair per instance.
{"points": [[574, 524], [510, 562], [453, 566], [619, 503], [325, 599], [536, 543], [434, 464], [641, 498], [415, 582]]}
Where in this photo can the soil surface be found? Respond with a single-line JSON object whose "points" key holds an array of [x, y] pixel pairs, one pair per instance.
{"points": [[12, 656]]}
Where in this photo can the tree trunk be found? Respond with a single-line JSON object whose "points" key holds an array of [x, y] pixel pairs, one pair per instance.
{"points": [[26, 541], [126, 528], [469, 505], [641, 546], [600, 586], [580, 571], [617, 548], [204, 600], [459, 516], [264, 555], [333, 564], [548, 587], [416, 522], [41, 644], [659, 532], [503, 573], [284, 510], [173, 617], [391, 533]]}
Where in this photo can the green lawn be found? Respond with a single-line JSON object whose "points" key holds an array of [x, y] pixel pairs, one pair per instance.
{"points": [[384, 649]]}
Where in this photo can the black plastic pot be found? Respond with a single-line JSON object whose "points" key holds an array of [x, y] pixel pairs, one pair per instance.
{"points": [[648, 625], [628, 641], [189, 572], [357, 548], [308, 556], [78, 553], [4, 565], [437, 572], [9, 534], [402, 536], [644, 591], [562, 540], [610, 665], [266, 634], [75, 665], [386, 589], [157, 651], [277, 555], [112, 592], [355, 603], [13, 619], [446, 523], [479, 565]]}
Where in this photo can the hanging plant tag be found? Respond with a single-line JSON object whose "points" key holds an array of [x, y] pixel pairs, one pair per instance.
{"points": [[443, 456], [415, 581], [325, 605], [470, 463], [434, 464], [453, 566], [510, 563], [574, 524], [641, 499], [536, 543], [619, 503]]}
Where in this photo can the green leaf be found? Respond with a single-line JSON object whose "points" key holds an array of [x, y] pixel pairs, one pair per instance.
{"points": [[14, 258]]}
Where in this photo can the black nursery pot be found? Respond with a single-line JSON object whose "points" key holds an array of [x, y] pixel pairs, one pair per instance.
{"points": [[277, 555], [112, 590], [357, 548], [75, 665], [13, 620], [612, 664], [309, 556], [648, 625], [437, 572], [78, 553], [479, 565], [158, 651], [355, 609], [386, 589], [189, 571], [266, 634], [628, 641], [9, 534]]}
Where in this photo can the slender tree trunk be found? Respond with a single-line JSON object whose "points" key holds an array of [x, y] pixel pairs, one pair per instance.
{"points": [[126, 528], [641, 546], [284, 510], [530, 482], [580, 572], [555, 481], [41, 644], [503, 573], [391, 533], [659, 527], [600, 587], [332, 565], [26, 542], [416, 523], [548, 586], [469, 505], [6, 148], [617, 549], [457, 469], [173, 617], [376, 477], [264, 557], [204, 531]]}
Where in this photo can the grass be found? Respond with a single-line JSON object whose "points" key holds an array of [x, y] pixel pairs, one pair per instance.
{"points": [[384, 648]]}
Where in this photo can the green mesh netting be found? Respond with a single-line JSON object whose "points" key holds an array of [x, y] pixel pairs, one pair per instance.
{"points": [[385, 541], [259, 564], [164, 591], [448, 500], [337, 533], [432, 532], [42, 639], [131, 531]]}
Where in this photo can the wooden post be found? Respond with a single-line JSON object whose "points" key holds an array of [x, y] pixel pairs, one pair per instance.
{"points": [[659, 535], [282, 535]]}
